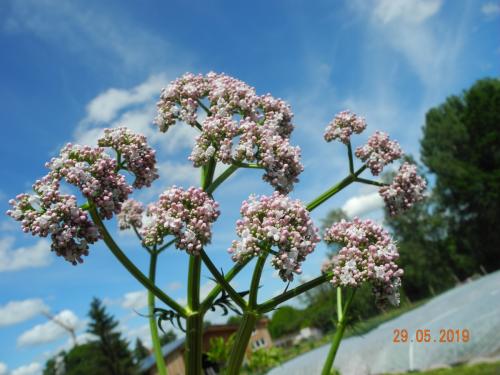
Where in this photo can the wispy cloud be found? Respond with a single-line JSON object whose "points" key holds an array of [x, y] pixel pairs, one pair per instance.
{"points": [[95, 36], [49, 331], [490, 9], [34, 368], [37, 255], [3, 368], [18, 311]]}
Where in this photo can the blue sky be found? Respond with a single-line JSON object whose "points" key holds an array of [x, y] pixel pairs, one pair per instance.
{"points": [[68, 69]]}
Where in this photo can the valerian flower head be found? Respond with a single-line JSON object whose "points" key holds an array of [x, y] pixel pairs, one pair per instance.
{"points": [[275, 221], [368, 254], [130, 214], [94, 173], [185, 214], [240, 125], [406, 189], [378, 152], [343, 126], [136, 156], [47, 212]]}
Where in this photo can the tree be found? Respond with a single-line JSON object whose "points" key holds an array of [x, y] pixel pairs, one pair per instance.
{"points": [[140, 351], [460, 146], [116, 356], [168, 337], [286, 319]]}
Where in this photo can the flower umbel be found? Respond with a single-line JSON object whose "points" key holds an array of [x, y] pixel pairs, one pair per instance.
{"points": [[378, 152], [137, 157], [261, 125], [130, 214], [343, 126], [406, 189], [49, 212], [275, 221], [94, 173], [368, 254], [186, 214]]}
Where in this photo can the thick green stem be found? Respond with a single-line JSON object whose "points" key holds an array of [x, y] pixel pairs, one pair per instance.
{"points": [[207, 174], [339, 333], [218, 288], [127, 263], [222, 281], [194, 322], [219, 180], [270, 304], [237, 354], [254, 286], [160, 361], [335, 189]]}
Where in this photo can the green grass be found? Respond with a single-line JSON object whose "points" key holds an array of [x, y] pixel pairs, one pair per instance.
{"points": [[477, 369]]}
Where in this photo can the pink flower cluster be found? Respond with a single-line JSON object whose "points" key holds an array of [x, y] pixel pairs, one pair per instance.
{"points": [[260, 124], [130, 215], [343, 126], [185, 214], [138, 158], [275, 221], [94, 173], [368, 254], [406, 189], [49, 212], [378, 152]]}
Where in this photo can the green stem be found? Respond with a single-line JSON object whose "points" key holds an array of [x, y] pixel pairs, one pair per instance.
{"points": [[270, 304], [238, 351], [222, 281], [207, 174], [337, 338], [370, 182], [204, 107], [254, 286], [194, 321], [127, 263], [140, 239], [219, 180], [335, 189], [160, 361], [167, 245], [351, 160], [210, 298], [339, 303]]}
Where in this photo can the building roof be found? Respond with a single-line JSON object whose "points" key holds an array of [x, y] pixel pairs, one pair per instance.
{"points": [[150, 361]]}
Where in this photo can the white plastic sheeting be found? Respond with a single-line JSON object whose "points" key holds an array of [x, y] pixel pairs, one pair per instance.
{"points": [[474, 306]]}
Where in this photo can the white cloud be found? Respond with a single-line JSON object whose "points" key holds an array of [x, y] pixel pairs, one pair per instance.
{"points": [[3, 368], [91, 33], [174, 285], [139, 299], [49, 331], [362, 204], [413, 11], [135, 300], [18, 311], [490, 9], [105, 106], [37, 255], [134, 108], [34, 368]]}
